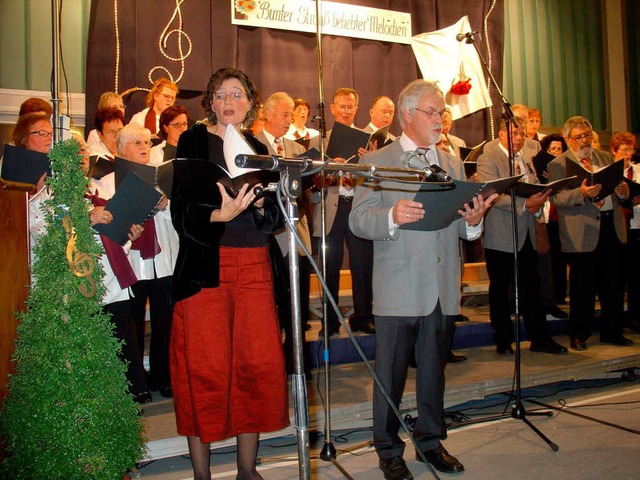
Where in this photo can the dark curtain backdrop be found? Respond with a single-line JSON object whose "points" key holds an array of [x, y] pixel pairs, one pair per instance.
{"points": [[274, 59]]}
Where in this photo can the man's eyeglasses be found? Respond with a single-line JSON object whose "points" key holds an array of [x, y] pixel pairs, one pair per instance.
{"points": [[222, 96], [432, 112], [179, 125], [140, 143], [584, 136], [346, 108], [41, 133]]}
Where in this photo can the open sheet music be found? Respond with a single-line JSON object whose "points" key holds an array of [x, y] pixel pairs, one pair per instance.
{"points": [[441, 204]]}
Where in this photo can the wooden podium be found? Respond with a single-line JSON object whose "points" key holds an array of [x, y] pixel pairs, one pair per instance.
{"points": [[14, 267]]}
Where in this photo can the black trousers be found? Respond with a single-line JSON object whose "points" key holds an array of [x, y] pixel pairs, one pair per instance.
{"points": [[125, 330], [158, 292], [558, 262], [597, 272], [396, 339], [500, 270], [360, 264]]}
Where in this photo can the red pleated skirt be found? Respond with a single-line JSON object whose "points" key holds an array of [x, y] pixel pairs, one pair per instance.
{"points": [[227, 364]]}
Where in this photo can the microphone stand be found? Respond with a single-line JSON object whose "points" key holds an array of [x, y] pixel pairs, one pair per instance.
{"points": [[518, 411]]}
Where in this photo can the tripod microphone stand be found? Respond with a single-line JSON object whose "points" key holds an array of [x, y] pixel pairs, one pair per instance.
{"points": [[518, 410]]}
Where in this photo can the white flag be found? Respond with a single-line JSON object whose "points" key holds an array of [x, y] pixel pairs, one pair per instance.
{"points": [[445, 60]]}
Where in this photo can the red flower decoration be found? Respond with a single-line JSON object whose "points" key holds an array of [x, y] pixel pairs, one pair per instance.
{"points": [[461, 87]]}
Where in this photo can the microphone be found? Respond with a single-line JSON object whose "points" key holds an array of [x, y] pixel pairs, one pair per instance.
{"points": [[465, 36], [411, 159]]}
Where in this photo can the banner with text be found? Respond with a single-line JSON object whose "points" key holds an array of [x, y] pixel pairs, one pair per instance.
{"points": [[335, 19]]}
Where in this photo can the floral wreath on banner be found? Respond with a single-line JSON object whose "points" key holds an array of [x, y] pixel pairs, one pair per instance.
{"points": [[463, 84], [245, 7]]}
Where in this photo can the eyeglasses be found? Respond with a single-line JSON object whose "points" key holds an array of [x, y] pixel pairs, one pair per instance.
{"points": [[554, 149], [346, 108], [169, 98], [41, 133], [179, 125], [626, 151], [580, 138], [140, 143], [432, 112], [222, 96], [111, 133]]}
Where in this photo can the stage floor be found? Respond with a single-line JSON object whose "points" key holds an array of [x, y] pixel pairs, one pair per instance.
{"points": [[482, 448]]}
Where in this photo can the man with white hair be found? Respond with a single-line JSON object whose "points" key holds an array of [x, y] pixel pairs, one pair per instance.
{"points": [[416, 283]]}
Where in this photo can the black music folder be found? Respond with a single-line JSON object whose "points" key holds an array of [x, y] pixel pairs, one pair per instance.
{"points": [[99, 166], [253, 178], [441, 204], [159, 176], [134, 201], [344, 142], [609, 177], [471, 154], [527, 189], [634, 188], [24, 166]]}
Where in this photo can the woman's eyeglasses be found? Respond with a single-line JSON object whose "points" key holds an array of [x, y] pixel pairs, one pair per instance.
{"points": [[42, 133]]}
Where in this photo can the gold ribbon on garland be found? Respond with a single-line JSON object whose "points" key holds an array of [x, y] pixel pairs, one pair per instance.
{"points": [[81, 263]]}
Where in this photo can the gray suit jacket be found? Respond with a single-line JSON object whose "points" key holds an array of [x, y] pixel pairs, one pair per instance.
{"points": [[456, 143], [492, 165], [578, 217], [530, 148], [411, 270]]}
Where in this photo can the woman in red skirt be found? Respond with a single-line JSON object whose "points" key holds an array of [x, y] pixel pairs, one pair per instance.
{"points": [[227, 364]]}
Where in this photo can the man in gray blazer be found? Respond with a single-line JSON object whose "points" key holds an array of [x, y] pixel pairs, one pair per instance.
{"points": [[591, 234], [416, 283], [337, 205], [454, 142], [498, 244], [277, 112]]}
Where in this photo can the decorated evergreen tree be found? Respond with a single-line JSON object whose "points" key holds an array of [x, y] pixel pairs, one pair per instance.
{"points": [[68, 414]]}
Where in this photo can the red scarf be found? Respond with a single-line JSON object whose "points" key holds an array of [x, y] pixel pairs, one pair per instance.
{"points": [[150, 120], [147, 244]]}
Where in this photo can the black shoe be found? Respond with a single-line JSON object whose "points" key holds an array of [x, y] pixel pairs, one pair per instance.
{"points": [[366, 327], [579, 345], [504, 349], [442, 461], [142, 398], [394, 468], [549, 347], [166, 391], [621, 341], [453, 358], [460, 318], [556, 312]]}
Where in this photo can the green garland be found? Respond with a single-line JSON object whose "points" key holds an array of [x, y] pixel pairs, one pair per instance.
{"points": [[68, 414]]}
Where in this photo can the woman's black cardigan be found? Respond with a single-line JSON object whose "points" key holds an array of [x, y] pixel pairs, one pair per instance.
{"points": [[194, 196]]}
